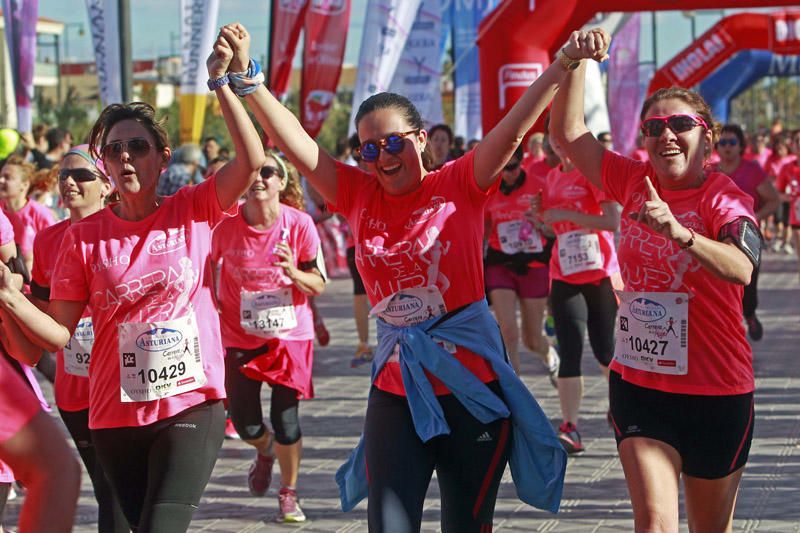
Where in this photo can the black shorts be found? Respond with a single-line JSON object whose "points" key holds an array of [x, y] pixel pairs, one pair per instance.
{"points": [[782, 213], [712, 434], [358, 283]]}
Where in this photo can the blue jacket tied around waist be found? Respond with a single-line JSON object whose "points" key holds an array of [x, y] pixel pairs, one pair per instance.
{"points": [[538, 461]]}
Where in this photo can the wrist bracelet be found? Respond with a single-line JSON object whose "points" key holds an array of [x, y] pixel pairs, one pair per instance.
{"points": [[690, 242], [247, 82], [215, 84]]}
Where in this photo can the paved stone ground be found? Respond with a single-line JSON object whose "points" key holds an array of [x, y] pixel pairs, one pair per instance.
{"points": [[595, 497]]}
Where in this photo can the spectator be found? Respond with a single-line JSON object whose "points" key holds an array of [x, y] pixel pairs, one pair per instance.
{"points": [[211, 148], [59, 141], [184, 169]]}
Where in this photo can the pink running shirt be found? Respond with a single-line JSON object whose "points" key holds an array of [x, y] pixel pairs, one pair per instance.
{"points": [[789, 183], [144, 272], [71, 391], [719, 357], [747, 176], [6, 230], [27, 222], [431, 236], [572, 191], [18, 406], [246, 260]]}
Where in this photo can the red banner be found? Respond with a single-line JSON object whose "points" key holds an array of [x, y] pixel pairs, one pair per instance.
{"points": [[521, 32], [286, 22], [776, 32], [323, 52]]}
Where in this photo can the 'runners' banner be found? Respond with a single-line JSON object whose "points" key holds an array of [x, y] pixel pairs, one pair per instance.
{"points": [[325, 36], [286, 21], [386, 29], [624, 96], [466, 18], [20, 28], [104, 22], [198, 33], [420, 69]]}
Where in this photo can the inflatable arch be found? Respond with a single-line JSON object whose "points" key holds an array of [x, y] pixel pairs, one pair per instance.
{"points": [[518, 39], [740, 73]]}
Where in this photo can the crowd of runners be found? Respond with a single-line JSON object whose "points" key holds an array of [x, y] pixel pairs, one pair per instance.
{"points": [[158, 291]]}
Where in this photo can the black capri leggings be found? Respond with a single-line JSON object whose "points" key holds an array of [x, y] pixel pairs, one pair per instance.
{"points": [[576, 307], [244, 402], [159, 472], [110, 517], [469, 464]]}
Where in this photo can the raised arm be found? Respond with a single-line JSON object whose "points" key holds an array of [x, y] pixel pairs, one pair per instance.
{"points": [[497, 146], [567, 123], [281, 125], [238, 174]]}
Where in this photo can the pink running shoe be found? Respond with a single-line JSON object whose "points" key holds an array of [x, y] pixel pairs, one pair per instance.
{"points": [[290, 511], [260, 475]]}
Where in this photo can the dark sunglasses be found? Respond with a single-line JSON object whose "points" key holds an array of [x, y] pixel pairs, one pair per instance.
{"points": [[654, 126], [137, 147], [512, 166], [78, 175], [393, 143], [728, 142], [267, 172]]}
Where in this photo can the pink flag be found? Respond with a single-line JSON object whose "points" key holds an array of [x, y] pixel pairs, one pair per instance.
{"points": [[625, 94], [20, 28], [285, 23]]}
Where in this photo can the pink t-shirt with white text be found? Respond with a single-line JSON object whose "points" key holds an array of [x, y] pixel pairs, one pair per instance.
{"points": [[719, 357], [71, 391], [775, 163], [27, 222], [788, 182], [145, 272], [572, 191], [431, 236], [247, 264]]}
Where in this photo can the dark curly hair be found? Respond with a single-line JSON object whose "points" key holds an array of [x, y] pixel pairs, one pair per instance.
{"points": [[141, 112]]}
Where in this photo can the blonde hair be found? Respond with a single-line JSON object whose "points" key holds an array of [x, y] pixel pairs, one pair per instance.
{"points": [[291, 195]]}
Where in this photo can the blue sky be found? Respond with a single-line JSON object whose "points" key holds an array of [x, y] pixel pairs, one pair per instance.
{"points": [[155, 27]]}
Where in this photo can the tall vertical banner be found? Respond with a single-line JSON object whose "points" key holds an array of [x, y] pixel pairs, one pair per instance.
{"points": [[419, 72], [624, 91], [286, 20], [325, 34], [466, 17], [198, 32], [104, 22], [20, 28], [386, 28]]}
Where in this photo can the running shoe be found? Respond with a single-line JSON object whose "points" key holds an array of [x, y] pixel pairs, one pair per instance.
{"points": [[788, 249], [290, 511], [363, 356], [777, 245], [323, 337], [230, 431], [754, 328], [552, 367], [260, 475], [570, 438]]}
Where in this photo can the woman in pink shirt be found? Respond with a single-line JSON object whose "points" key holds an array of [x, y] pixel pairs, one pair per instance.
{"points": [[156, 374], [681, 383], [267, 257]]}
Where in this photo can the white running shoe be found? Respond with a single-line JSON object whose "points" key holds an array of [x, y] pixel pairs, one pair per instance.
{"points": [[290, 511]]}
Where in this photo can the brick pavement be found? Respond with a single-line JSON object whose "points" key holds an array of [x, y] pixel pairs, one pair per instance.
{"points": [[595, 497]]}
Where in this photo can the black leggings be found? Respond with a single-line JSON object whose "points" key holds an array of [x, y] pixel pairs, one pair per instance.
{"points": [[750, 297], [576, 307], [110, 517], [469, 464], [244, 402], [159, 472]]}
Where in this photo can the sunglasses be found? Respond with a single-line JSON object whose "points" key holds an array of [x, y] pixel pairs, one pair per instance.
{"points": [[267, 172], [654, 126], [78, 175], [393, 143], [136, 147], [728, 142], [512, 166]]}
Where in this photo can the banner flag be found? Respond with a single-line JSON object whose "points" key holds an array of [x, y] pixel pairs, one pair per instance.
{"points": [[624, 95], [198, 33], [286, 21], [386, 28], [20, 18], [325, 36], [104, 22], [466, 18], [419, 71]]}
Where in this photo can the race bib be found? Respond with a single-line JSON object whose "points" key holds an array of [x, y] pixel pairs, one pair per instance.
{"points": [[78, 350], [159, 359], [409, 307], [519, 236], [579, 251], [652, 331], [266, 313]]}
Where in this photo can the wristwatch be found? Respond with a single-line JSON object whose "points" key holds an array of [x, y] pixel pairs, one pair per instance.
{"points": [[566, 61], [213, 85]]}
